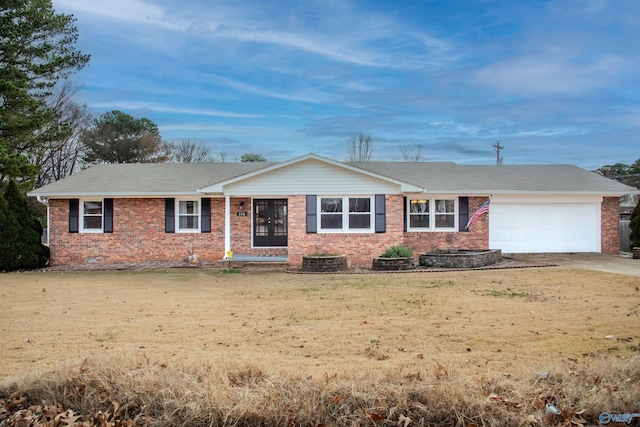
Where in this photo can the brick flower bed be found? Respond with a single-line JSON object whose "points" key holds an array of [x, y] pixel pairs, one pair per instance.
{"points": [[324, 263], [460, 258], [391, 264]]}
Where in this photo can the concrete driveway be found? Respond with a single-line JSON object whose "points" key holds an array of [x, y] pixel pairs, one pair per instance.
{"points": [[619, 264]]}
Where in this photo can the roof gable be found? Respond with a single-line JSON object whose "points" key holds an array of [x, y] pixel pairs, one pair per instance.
{"points": [[310, 174]]}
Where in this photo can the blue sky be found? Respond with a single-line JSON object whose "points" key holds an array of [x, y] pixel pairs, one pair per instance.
{"points": [[553, 81]]}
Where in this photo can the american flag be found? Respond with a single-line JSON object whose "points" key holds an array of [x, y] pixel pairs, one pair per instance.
{"points": [[483, 209]]}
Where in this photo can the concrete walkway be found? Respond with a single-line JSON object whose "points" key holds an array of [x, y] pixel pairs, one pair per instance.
{"points": [[619, 264]]}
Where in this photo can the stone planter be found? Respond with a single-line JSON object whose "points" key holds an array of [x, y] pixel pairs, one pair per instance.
{"points": [[456, 258], [635, 253], [324, 263], [393, 264]]}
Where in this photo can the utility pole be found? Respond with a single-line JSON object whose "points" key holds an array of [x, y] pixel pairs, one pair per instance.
{"points": [[498, 148]]}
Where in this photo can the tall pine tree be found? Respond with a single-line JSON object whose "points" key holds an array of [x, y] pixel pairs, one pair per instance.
{"points": [[36, 51]]}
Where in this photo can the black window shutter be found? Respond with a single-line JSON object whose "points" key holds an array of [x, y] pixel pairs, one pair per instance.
{"points": [[205, 215], [381, 221], [169, 215], [463, 213], [405, 218], [312, 215], [107, 205], [74, 205]]}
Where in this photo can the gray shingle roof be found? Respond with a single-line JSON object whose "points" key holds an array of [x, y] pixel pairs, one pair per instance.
{"points": [[499, 179], [162, 179], [146, 179]]}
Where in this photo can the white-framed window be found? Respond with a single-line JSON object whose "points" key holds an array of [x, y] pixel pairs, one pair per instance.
{"points": [[187, 216], [432, 213], [345, 214], [91, 216]]}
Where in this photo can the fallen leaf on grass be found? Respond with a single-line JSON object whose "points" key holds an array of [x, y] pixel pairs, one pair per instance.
{"points": [[375, 417]]}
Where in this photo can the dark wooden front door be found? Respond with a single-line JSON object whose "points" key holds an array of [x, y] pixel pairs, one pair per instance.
{"points": [[270, 222]]}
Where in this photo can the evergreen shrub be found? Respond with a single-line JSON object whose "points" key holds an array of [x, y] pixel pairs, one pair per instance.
{"points": [[398, 251]]}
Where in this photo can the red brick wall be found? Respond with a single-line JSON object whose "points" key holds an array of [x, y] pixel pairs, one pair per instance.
{"points": [[476, 238], [240, 225], [360, 248], [138, 235], [610, 226]]}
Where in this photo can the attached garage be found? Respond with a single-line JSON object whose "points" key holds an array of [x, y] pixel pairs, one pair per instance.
{"points": [[545, 224]]}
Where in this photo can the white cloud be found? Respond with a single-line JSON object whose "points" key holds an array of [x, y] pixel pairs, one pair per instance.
{"points": [[548, 75], [159, 108], [309, 95], [137, 11], [361, 44]]}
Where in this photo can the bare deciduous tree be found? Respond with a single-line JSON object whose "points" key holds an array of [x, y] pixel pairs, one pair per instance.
{"points": [[222, 156], [188, 151], [411, 155], [361, 148], [60, 157]]}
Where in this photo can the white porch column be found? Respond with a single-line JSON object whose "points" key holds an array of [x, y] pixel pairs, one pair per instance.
{"points": [[227, 224]]}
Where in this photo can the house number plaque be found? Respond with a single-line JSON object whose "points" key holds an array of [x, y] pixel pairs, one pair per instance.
{"points": [[241, 213]]}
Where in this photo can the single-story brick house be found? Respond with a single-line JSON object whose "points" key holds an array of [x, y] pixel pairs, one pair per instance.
{"points": [[312, 204]]}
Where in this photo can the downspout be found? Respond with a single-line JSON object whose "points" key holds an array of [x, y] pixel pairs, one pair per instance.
{"points": [[45, 201]]}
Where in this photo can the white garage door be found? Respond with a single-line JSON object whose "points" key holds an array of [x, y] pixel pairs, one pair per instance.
{"points": [[517, 228]]}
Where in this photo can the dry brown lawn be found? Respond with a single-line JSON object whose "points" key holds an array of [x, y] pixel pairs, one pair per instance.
{"points": [[476, 326]]}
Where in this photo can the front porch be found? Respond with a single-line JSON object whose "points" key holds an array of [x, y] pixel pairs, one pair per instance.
{"points": [[263, 261]]}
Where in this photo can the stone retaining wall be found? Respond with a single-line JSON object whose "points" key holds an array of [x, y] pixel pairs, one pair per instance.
{"points": [[324, 263], [391, 264], [460, 258]]}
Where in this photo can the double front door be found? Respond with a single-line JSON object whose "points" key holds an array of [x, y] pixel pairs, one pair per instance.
{"points": [[270, 222]]}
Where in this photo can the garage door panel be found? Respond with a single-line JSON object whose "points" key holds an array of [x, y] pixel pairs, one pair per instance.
{"points": [[545, 227]]}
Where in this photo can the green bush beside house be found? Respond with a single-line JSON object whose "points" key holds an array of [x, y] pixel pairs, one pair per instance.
{"points": [[21, 247], [398, 251]]}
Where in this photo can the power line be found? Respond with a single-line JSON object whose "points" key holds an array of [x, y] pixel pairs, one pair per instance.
{"points": [[498, 148]]}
